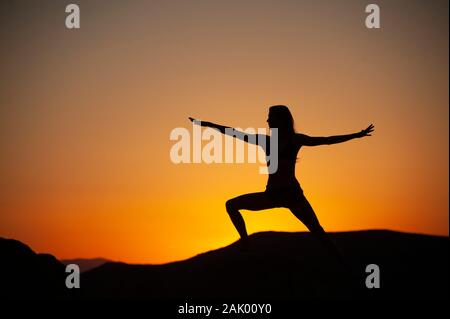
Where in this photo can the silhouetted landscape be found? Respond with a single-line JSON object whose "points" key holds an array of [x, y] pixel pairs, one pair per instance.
{"points": [[25, 274], [275, 265]]}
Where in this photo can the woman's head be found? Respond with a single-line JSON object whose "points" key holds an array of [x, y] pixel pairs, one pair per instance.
{"points": [[280, 117]]}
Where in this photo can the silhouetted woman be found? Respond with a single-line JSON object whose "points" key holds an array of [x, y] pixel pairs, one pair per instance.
{"points": [[283, 189]]}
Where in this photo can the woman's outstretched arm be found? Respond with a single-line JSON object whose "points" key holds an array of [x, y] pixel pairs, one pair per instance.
{"points": [[328, 140], [221, 128], [246, 137]]}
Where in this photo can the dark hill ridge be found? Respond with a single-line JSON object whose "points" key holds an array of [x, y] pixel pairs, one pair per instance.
{"points": [[25, 274], [288, 265], [274, 266]]}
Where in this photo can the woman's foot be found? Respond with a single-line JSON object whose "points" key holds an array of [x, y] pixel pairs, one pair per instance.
{"points": [[244, 243]]}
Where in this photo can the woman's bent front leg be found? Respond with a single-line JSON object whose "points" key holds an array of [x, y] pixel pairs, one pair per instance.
{"points": [[253, 201]]}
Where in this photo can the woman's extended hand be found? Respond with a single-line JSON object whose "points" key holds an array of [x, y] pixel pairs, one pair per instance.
{"points": [[199, 122], [367, 131]]}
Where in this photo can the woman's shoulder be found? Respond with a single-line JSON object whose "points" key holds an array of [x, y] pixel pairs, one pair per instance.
{"points": [[300, 138]]}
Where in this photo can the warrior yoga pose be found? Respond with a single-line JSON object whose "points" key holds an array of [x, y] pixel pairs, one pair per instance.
{"points": [[283, 189]]}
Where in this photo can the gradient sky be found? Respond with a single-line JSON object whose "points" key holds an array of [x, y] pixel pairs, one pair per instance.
{"points": [[85, 118]]}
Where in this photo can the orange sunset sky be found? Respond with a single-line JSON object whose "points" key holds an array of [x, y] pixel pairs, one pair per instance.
{"points": [[85, 118]]}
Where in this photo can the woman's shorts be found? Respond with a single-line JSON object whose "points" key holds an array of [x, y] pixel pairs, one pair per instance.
{"points": [[285, 197]]}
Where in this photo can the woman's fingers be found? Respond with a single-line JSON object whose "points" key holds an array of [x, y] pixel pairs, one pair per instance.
{"points": [[198, 122], [369, 129]]}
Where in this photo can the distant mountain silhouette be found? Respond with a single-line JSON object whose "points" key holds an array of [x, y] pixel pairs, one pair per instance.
{"points": [[288, 265], [274, 266], [86, 264]]}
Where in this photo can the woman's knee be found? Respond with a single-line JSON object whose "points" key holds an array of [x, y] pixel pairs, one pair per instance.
{"points": [[231, 205], [254, 201]]}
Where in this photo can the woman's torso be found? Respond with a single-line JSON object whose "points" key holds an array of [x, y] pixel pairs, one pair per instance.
{"points": [[284, 176]]}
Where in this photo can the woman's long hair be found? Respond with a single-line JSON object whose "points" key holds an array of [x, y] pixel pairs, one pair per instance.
{"points": [[284, 118]]}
